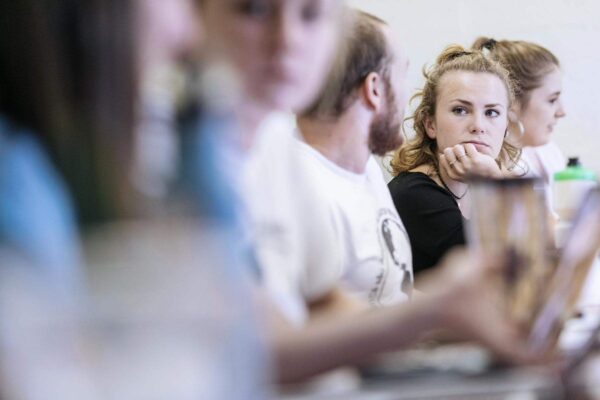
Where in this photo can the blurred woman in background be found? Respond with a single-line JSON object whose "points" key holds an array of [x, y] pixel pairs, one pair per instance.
{"points": [[538, 107]]}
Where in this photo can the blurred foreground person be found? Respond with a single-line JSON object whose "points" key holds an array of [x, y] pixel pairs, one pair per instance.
{"points": [[281, 50], [156, 308]]}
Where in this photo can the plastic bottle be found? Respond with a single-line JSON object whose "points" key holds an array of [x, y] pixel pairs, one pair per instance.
{"points": [[570, 186]]}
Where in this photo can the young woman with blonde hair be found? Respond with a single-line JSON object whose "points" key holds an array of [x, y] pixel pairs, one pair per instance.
{"points": [[461, 128]]}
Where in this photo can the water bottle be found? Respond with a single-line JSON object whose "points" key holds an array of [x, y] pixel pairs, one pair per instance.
{"points": [[570, 186]]}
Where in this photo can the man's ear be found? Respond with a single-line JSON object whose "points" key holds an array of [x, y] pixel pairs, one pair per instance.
{"points": [[430, 127], [372, 91]]}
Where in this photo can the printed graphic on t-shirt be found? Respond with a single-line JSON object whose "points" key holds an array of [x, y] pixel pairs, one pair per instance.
{"points": [[395, 276]]}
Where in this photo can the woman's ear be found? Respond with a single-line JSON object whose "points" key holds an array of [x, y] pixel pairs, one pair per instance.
{"points": [[513, 115], [372, 91], [430, 128], [515, 126]]}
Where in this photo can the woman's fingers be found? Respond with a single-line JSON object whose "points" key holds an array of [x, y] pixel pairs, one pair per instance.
{"points": [[448, 166], [470, 150], [458, 162], [459, 152], [450, 156]]}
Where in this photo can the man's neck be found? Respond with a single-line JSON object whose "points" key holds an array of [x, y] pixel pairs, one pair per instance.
{"points": [[343, 141]]}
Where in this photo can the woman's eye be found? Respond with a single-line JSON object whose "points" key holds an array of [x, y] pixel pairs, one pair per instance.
{"points": [[492, 113], [311, 13], [459, 110], [254, 8]]}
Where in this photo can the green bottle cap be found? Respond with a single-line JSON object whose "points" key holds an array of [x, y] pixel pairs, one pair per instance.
{"points": [[575, 172]]}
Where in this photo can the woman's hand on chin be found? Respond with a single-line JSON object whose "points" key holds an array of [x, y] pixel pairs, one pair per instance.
{"points": [[463, 160]]}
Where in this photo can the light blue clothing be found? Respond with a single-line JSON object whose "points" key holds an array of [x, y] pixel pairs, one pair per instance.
{"points": [[211, 163], [205, 152], [36, 215]]}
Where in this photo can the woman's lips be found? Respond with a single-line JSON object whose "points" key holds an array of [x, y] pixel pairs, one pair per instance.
{"points": [[477, 143], [280, 74]]}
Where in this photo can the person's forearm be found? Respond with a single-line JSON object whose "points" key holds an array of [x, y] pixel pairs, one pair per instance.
{"points": [[337, 303], [347, 341]]}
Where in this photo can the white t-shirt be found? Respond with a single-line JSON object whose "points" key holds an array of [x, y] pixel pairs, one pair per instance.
{"points": [[374, 260], [542, 162], [316, 226]]}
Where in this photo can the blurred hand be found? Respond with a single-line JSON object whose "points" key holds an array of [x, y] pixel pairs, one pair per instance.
{"points": [[467, 295], [461, 161]]}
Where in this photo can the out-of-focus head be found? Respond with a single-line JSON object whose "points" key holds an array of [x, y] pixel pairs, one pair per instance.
{"points": [[168, 30], [538, 86], [372, 65], [280, 49], [466, 99], [67, 75]]}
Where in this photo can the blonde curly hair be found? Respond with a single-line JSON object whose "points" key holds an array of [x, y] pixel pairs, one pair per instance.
{"points": [[421, 149]]}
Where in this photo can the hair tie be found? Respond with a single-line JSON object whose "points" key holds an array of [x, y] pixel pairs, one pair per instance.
{"points": [[489, 44]]}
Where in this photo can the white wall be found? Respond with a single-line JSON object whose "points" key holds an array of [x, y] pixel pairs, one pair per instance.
{"points": [[569, 28]]}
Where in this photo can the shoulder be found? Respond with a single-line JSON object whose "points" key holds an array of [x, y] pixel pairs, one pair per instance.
{"points": [[307, 157], [411, 182], [416, 190], [25, 163], [552, 157], [375, 174], [548, 157], [270, 165]]}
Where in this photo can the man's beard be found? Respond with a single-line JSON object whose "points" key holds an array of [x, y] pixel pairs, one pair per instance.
{"points": [[384, 132]]}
